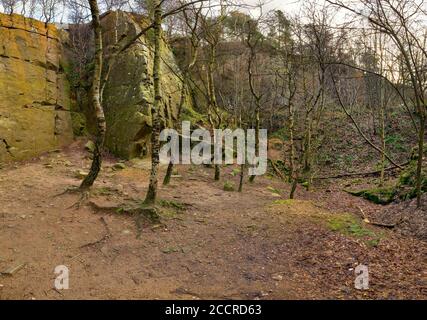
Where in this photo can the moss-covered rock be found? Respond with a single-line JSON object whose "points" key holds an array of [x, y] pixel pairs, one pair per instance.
{"points": [[377, 195], [79, 125], [403, 189], [90, 146], [128, 94], [228, 186]]}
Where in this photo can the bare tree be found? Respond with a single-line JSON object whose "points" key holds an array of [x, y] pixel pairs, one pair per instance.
{"points": [[9, 6], [253, 41], [404, 23], [155, 141], [96, 99], [191, 19], [212, 32]]}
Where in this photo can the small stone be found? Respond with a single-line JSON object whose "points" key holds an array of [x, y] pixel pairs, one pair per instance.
{"points": [[119, 166], [68, 163], [126, 232], [104, 250], [80, 174], [277, 277], [90, 146]]}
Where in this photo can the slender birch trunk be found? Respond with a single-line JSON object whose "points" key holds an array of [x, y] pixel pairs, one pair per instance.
{"points": [[213, 105], [155, 141], [419, 175], [96, 100]]}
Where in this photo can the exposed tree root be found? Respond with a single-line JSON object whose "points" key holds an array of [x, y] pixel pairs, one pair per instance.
{"points": [[69, 190], [103, 239], [84, 197], [146, 215], [143, 214]]}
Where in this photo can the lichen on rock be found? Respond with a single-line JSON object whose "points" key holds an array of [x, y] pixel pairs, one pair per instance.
{"points": [[34, 99], [128, 93]]}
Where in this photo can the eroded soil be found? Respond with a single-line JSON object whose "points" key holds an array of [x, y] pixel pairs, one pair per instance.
{"points": [[223, 245]]}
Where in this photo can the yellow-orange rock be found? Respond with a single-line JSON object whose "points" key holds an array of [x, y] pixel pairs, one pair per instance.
{"points": [[34, 99]]}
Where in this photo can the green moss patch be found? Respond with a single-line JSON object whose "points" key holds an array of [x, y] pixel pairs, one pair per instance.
{"points": [[404, 188], [274, 190], [377, 195], [78, 122], [349, 225], [228, 186], [172, 204]]}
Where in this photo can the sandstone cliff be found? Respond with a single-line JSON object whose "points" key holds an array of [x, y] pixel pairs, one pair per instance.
{"points": [[129, 91], [35, 94], [34, 91]]}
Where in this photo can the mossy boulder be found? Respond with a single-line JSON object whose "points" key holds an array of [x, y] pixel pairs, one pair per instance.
{"points": [[229, 186], [90, 146], [377, 195], [128, 94]]}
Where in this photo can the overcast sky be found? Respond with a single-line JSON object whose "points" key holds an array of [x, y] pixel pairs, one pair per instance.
{"points": [[287, 6], [284, 5]]}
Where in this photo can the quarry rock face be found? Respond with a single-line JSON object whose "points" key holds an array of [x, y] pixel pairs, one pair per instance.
{"points": [[34, 91], [35, 103], [128, 94]]}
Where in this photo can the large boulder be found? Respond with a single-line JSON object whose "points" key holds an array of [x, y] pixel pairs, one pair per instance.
{"points": [[128, 93], [34, 91]]}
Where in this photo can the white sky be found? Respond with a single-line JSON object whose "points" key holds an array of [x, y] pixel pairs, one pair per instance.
{"points": [[289, 7]]}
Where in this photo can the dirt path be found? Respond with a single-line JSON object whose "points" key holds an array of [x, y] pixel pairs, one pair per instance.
{"points": [[224, 245]]}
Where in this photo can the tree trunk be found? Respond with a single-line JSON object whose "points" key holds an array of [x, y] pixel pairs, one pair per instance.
{"points": [[257, 125], [307, 169], [213, 105], [242, 174], [292, 143], [155, 141], [168, 175], [96, 100], [383, 146], [169, 171], [294, 187], [419, 177]]}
